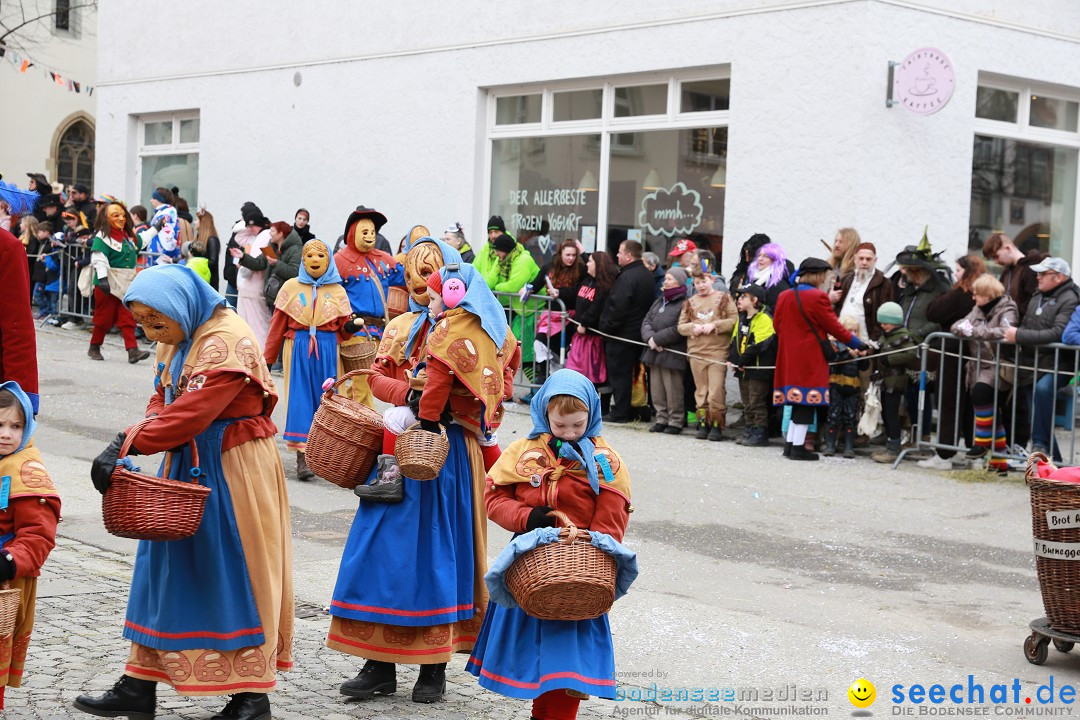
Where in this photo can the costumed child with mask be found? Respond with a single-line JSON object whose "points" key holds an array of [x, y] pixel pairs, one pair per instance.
{"points": [[311, 317], [30, 511], [554, 663], [449, 299]]}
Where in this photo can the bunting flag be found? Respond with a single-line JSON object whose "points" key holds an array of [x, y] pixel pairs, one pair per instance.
{"points": [[22, 64]]}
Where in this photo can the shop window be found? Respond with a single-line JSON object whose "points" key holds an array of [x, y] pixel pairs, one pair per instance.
{"points": [[75, 155], [518, 109], [1053, 113], [548, 195], [169, 156], [994, 104], [704, 95], [577, 105], [1026, 190], [641, 100]]}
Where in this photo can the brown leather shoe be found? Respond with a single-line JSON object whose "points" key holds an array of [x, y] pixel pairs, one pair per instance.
{"points": [[135, 355], [94, 353]]}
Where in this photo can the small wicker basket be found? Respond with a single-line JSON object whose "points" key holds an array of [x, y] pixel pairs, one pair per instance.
{"points": [[1059, 579], [147, 507], [565, 580], [358, 356], [397, 301], [9, 608], [421, 454], [345, 437]]}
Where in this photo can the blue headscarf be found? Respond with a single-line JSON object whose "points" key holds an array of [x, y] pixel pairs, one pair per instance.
{"points": [[449, 255], [330, 276], [30, 424], [573, 383], [480, 301], [179, 293]]}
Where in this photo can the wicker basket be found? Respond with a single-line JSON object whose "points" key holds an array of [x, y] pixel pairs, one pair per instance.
{"points": [[1059, 579], [345, 437], [421, 454], [565, 580], [397, 301], [358, 356], [9, 608], [147, 507]]}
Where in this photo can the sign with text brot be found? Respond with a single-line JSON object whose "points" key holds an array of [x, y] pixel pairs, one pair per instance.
{"points": [[671, 211], [924, 81]]}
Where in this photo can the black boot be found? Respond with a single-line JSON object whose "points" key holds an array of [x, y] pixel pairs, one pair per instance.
{"points": [[799, 452], [715, 434], [702, 430], [431, 685], [830, 442], [376, 678], [246, 706], [787, 449], [849, 443], [130, 697], [387, 486], [759, 436]]}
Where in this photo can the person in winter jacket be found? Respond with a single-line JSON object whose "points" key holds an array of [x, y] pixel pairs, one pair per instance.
{"points": [[508, 267], [455, 237], [586, 354], [250, 280], [162, 238], [770, 271], [1016, 274], [660, 329], [289, 251], [302, 225], [630, 299], [747, 256], [1048, 315], [899, 350], [752, 355], [987, 369]]}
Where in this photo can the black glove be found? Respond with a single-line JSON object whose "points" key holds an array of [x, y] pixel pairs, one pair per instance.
{"points": [[353, 325], [430, 426], [103, 284], [539, 518], [7, 566], [412, 400], [101, 469], [158, 222]]}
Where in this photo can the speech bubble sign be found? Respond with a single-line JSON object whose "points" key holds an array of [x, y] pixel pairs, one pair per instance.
{"points": [[671, 211]]}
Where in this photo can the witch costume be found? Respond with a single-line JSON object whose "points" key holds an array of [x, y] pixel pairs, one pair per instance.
{"points": [[410, 587], [521, 656], [211, 614]]}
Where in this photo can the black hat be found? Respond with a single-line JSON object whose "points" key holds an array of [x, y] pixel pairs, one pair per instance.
{"points": [[496, 223], [912, 256], [504, 242], [80, 187], [51, 200], [43, 186], [752, 289], [250, 211], [365, 212], [813, 264]]}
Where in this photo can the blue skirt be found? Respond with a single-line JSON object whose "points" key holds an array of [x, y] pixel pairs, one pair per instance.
{"points": [[411, 563], [523, 657], [195, 593], [307, 373]]}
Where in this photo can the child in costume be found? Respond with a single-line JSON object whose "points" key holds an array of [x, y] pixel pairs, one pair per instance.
{"points": [[29, 512], [563, 465], [315, 304], [447, 299], [707, 319], [843, 393], [753, 353]]}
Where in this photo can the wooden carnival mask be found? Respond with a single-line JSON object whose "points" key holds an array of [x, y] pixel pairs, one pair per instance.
{"points": [[157, 326], [364, 235], [420, 263], [317, 258], [116, 216]]}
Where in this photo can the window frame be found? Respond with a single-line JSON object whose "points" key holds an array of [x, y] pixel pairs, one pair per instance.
{"points": [[607, 125], [142, 150]]}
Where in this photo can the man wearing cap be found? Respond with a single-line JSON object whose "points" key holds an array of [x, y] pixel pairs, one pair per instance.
{"points": [[1047, 316], [862, 291], [367, 275], [679, 253]]}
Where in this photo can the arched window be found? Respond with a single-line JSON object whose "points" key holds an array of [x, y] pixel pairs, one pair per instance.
{"points": [[75, 155]]}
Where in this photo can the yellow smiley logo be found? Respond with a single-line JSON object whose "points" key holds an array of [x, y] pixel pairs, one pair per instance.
{"points": [[862, 693]]}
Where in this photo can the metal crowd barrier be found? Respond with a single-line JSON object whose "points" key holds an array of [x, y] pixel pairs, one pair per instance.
{"points": [[943, 395], [539, 358], [73, 258]]}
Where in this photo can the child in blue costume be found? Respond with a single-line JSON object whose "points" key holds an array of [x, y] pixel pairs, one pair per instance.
{"points": [[554, 663]]}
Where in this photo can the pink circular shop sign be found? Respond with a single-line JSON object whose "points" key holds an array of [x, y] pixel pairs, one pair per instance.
{"points": [[923, 82]]}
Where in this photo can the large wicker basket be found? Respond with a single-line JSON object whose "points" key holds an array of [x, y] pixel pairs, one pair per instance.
{"points": [[1059, 578], [565, 580], [345, 437], [397, 301], [9, 608], [359, 355], [421, 454], [147, 507]]}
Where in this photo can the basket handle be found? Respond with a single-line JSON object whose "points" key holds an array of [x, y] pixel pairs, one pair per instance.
{"points": [[138, 427], [347, 376], [564, 520], [1032, 471]]}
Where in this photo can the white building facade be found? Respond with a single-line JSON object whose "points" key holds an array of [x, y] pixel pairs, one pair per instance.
{"points": [[47, 126], [708, 119]]}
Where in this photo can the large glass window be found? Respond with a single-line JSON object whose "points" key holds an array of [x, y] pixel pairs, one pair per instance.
{"points": [[169, 155], [545, 189]]}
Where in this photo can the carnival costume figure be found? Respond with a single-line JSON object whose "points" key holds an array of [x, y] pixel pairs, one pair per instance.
{"points": [[29, 512], [311, 317], [410, 588], [113, 256], [563, 465], [211, 614]]}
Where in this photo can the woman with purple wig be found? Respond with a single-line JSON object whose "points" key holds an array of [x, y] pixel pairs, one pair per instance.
{"points": [[770, 270]]}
